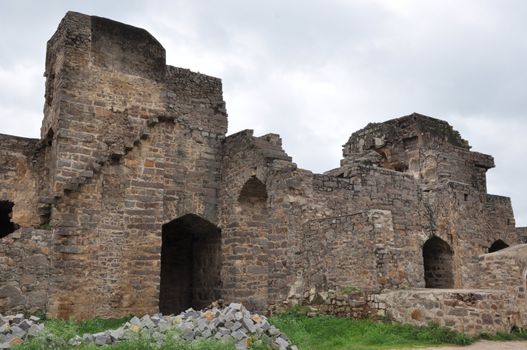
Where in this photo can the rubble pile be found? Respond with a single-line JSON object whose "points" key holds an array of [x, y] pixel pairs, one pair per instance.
{"points": [[233, 323], [14, 330]]}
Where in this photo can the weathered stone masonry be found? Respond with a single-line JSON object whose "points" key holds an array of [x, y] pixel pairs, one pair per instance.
{"points": [[134, 200]]}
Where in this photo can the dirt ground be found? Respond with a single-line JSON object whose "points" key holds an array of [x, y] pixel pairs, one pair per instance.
{"points": [[487, 345]]}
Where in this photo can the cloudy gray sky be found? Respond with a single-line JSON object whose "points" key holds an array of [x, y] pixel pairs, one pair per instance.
{"points": [[315, 71]]}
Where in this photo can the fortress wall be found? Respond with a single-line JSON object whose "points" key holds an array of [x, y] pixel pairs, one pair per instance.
{"points": [[348, 251], [470, 222], [137, 144], [254, 241], [108, 231], [130, 145], [297, 199], [375, 190]]}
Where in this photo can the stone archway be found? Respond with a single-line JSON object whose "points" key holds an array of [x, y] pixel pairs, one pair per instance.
{"points": [[497, 245], [437, 260], [190, 264], [6, 225]]}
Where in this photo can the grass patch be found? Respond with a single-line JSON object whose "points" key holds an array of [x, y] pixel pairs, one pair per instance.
{"points": [[329, 332], [58, 332], [308, 333], [502, 336], [350, 290], [68, 329]]}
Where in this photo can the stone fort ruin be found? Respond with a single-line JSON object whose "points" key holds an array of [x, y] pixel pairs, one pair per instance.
{"points": [[134, 200]]}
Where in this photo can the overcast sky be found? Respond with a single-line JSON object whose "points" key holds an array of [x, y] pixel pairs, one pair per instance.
{"points": [[315, 71]]}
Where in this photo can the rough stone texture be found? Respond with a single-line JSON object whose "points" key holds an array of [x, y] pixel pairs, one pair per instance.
{"points": [[464, 310], [133, 167], [522, 232], [231, 324], [16, 329], [24, 270], [20, 167]]}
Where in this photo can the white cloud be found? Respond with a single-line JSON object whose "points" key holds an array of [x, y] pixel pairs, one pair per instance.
{"points": [[315, 71]]}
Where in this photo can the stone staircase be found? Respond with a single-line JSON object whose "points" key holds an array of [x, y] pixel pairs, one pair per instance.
{"points": [[118, 151]]}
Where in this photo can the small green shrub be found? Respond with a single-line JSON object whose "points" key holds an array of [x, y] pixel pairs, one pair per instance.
{"points": [[45, 227], [350, 290]]}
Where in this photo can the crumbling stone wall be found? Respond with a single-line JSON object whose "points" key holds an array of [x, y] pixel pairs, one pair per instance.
{"points": [[24, 271], [138, 145], [312, 212], [19, 167], [254, 243], [133, 167]]}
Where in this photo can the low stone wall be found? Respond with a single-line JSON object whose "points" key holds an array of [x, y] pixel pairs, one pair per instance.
{"points": [[24, 271], [356, 304], [470, 311]]}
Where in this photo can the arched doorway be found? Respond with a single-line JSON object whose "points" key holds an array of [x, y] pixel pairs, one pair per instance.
{"points": [[190, 264], [497, 245], [6, 225], [437, 259]]}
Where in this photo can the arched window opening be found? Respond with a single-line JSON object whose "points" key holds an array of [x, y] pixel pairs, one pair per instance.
{"points": [[498, 245], [190, 264], [437, 259], [252, 192], [6, 225]]}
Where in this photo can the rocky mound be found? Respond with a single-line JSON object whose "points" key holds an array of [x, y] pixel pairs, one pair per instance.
{"points": [[233, 323]]}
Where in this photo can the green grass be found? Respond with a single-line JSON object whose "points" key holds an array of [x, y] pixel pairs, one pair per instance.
{"points": [[502, 336], [329, 332], [58, 332], [308, 333]]}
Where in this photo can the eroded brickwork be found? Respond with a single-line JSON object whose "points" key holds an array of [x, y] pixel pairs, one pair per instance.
{"points": [[150, 205], [25, 271]]}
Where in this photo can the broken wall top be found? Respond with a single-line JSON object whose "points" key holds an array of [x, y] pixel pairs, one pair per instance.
{"points": [[411, 130]]}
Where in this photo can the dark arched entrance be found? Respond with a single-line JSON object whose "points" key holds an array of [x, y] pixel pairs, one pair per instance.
{"points": [[190, 264], [437, 259], [498, 245], [6, 225]]}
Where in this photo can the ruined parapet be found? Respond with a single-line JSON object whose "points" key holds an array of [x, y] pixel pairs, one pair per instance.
{"points": [[406, 133], [197, 99], [428, 148]]}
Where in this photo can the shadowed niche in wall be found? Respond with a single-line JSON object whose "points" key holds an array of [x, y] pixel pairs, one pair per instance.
{"points": [[498, 245], [253, 191], [437, 259], [254, 237], [190, 264], [6, 225]]}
